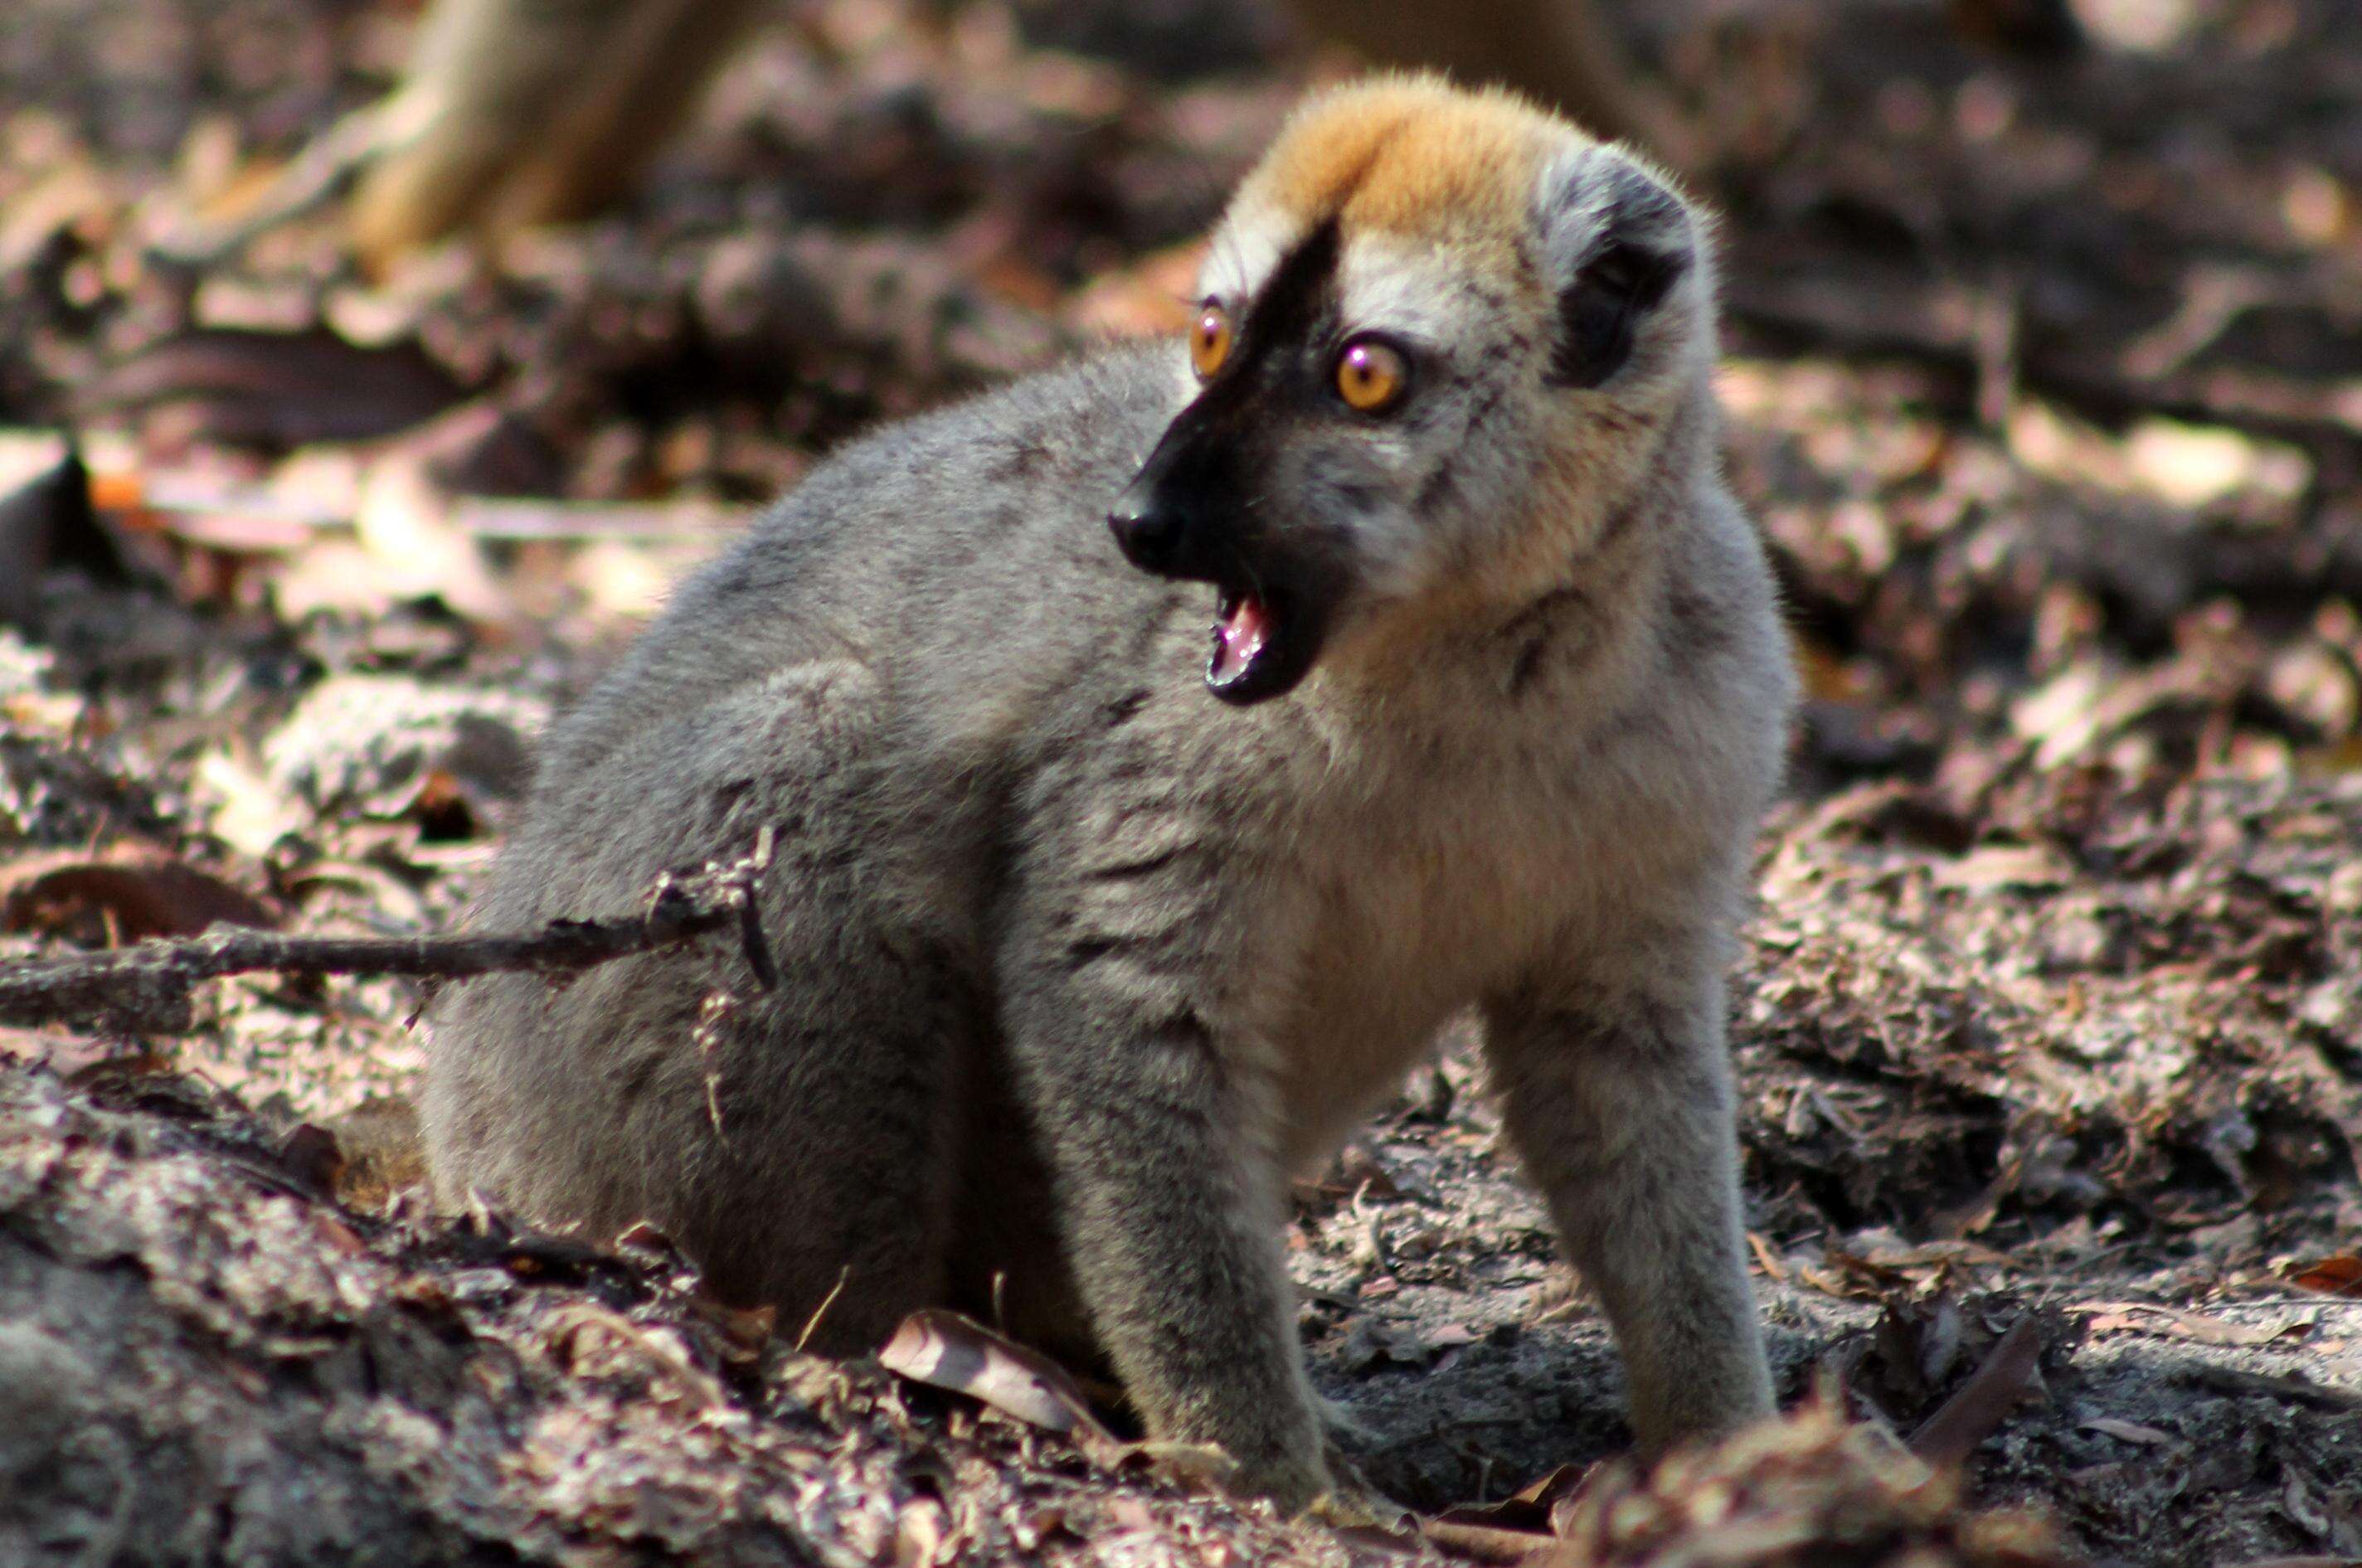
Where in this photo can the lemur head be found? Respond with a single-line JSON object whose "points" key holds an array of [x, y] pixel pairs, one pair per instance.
{"points": [[1442, 334]]}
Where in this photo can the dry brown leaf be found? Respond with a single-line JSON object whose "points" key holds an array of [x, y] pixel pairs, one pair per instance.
{"points": [[921, 1534], [740, 1334], [2339, 1276], [123, 894], [2176, 1323], [1521, 1528], [1530, 1508], [945, 1350], [2000, 865], [415, 547], [1488, 1543], [62, 1052], [1970, 1416], [382, 1151], [311, 1155], [2130, 1432], [281, 389]]}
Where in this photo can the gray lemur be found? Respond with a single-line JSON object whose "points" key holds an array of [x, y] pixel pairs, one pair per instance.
{"points": [[1087, 940]]}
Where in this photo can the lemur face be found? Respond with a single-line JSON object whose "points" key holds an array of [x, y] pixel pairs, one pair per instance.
{"points": [[1424, 314]]}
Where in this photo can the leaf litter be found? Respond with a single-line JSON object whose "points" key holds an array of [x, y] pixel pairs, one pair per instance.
{"points": [[2049, 1023]]}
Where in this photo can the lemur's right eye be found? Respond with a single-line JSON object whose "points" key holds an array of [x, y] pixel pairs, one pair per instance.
{"points": [[1209, 340]]}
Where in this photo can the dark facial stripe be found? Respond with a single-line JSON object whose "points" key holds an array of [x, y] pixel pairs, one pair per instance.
{"points": [[1281, 321], [1239, 404], [1299, 293]]}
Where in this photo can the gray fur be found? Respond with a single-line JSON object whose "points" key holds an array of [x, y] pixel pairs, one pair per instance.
{"points": [[1079, 964]]}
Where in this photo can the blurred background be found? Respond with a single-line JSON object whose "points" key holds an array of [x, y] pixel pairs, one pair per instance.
{"points": [[329, 466], [2113, 248]]}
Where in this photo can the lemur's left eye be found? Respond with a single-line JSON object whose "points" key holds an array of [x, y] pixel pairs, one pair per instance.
{"points": [[1209, 340], [1371, 375]]}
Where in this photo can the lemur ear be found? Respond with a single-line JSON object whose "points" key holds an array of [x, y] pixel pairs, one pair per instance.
{"points": [[1614, 242]]}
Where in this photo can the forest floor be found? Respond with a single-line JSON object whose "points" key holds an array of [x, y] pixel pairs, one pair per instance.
{"points": [[2046, 383]]}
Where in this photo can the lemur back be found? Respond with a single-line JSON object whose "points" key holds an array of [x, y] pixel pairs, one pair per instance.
{"points": [[1092, 922]]}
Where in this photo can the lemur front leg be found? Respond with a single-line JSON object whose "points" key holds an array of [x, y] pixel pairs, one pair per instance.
{"points": [[1166, 1210], [1618, 1100]]}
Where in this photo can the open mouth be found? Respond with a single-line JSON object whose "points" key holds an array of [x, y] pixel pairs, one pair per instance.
{"points": [[1257, 651]]}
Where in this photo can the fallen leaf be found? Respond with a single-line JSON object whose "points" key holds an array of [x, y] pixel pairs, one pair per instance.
{"points": [[1970, 1416], [382, 1150], [1132, 1514], [741, 1334], [2000, 865], [123, 894], [920, 1533], [2175, 1322], [2197, 466], [245, 808], [2130, 1432], [557, 1260], [63, 1053], [945, 1350], [640, 1236], [73, 194], [1202, 1461], [311, 1156], [2339, 1276], [1531, 1508], [1488, 1543], [415, 548], [281, 388], [116, 1074]]}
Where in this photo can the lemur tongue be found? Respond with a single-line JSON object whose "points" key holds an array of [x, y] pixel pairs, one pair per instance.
{"points": [[1240, 634]]}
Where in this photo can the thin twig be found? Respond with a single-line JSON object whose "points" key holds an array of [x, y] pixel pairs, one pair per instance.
{"points": [[812, 1324], [144, 989], [318, 175]]}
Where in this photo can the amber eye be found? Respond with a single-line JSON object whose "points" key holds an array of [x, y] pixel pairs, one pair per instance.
{"points": [[1370, 375], [1209, 340]]}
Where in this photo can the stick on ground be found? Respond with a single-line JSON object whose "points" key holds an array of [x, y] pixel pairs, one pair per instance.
{"points": [[144, 989]]}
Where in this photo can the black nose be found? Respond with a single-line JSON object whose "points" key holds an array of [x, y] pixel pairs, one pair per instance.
{"points": [[1150, 529]]}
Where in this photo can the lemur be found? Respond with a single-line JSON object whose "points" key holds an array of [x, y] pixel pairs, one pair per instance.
{"points": [[1091, 924]]}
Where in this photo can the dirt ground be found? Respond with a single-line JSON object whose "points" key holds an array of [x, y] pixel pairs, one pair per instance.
{"points": [[2045, 381]]}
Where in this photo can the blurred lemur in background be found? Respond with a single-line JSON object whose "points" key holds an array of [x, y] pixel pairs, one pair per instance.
{"points": [[518, 112]]}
